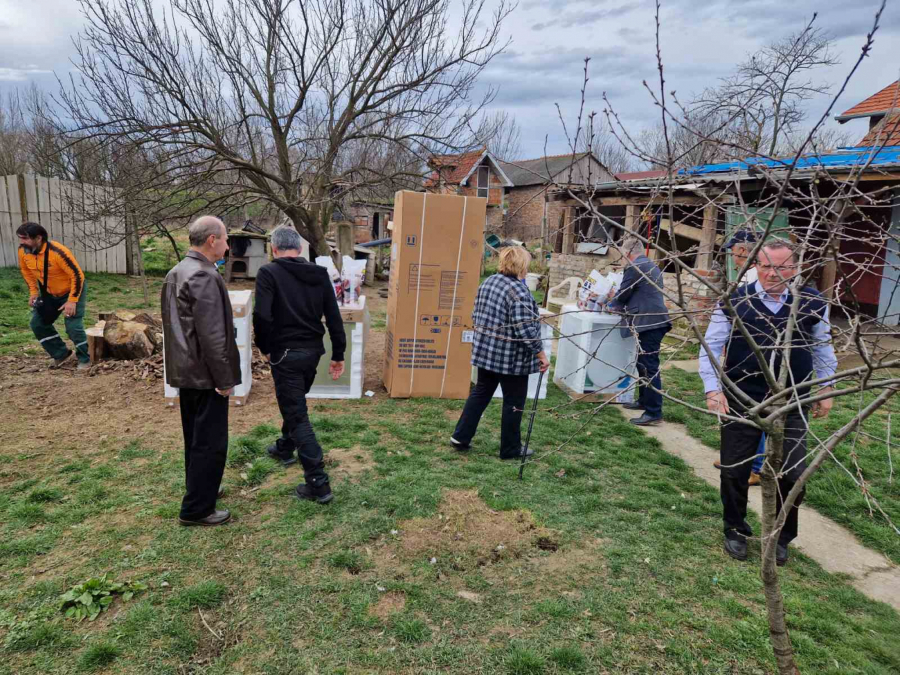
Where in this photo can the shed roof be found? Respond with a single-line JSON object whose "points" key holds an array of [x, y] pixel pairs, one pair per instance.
{"points": [[456, 169], [539, 171], [841, 159], [877, 104]]}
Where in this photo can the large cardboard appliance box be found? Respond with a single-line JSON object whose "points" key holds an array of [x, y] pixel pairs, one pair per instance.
{"points": [[436, 252]]}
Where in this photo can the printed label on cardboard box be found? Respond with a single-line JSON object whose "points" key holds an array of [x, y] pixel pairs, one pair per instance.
{"points": [[422, 277], [468, 336], [439, 320]]}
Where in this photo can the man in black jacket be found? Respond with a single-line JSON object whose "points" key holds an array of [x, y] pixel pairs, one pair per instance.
{"points": [[641, 299], [292, 295]]}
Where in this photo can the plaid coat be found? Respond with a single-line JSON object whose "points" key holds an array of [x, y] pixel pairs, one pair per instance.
{"points": [[507, 327]]}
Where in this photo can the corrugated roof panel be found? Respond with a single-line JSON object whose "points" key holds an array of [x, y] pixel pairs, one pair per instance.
{"points": [[855, 157]]}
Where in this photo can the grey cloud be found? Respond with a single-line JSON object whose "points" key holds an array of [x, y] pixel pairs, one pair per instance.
{"points": [[586, 17]]}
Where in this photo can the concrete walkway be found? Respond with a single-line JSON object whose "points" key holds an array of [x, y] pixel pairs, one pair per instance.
{"points": [[834, 547]]}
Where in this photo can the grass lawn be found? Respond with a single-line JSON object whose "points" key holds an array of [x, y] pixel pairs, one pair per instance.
{"points": [[832, 491], [105, 292], [606, 559]]}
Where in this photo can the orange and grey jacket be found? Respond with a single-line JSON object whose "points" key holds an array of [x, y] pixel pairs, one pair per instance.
{"points": [[64, 276]]}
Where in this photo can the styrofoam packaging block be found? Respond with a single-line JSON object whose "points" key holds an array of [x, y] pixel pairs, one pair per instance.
{"points": [[354, 360], [592, 356], [242, 331], [242, 390]]}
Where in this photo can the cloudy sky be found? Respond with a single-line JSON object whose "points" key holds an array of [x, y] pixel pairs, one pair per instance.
{"points": [[702, 40]]}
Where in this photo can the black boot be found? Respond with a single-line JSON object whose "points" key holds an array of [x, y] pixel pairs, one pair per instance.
{"points": [[286, 459], [321, 494]]}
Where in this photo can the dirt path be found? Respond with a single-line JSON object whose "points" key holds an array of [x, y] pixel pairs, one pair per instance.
{"points": [[823, 540]]}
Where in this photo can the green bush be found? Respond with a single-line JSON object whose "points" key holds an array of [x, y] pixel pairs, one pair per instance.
{"points": [[95, 595]]}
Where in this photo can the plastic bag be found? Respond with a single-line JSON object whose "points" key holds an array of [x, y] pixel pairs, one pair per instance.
{"points": [[326, 262], [353, 275]]}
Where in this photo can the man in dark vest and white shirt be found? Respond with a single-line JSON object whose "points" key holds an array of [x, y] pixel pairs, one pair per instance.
{"points": [[764, 308]]}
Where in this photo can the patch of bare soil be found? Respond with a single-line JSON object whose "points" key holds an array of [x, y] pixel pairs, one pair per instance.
{"points": [[388, 604], [465, 533], [349, 463]]}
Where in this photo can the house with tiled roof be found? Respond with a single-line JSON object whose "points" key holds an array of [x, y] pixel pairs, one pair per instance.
{"points": [[882, 110], [528, 212], [472, 174]]}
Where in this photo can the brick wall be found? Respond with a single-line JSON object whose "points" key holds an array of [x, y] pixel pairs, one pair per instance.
{"points": [[526, 209], [699, 300], [563, 265]]}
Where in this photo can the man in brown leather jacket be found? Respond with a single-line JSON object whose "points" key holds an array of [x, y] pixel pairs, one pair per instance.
{"points": [[202, 360]]}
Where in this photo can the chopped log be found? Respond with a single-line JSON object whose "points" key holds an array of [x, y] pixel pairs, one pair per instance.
{"points": [[131, 336], [96, 343]]}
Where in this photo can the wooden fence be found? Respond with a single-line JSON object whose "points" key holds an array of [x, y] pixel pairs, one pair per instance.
{"points": [[69, 212]]}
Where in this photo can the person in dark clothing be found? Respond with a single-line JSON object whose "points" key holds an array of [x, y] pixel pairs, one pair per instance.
{"points": [[202, 360], [641, 298], [292, 295], [764, 309], [507, 349]]}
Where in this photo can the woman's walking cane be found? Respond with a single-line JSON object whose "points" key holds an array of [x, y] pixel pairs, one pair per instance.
{"points": [[537, 393]]}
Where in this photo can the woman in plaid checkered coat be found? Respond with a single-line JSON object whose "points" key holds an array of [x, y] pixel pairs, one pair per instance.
{"points": [[506, 351]]}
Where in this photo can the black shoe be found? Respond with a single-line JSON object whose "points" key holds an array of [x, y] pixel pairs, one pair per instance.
{"points": [[646, 420], [217, 517], [286, 460], [633, 406], [518, 455], [781, 555], [736, 549], [459, 446], [321, 494]]}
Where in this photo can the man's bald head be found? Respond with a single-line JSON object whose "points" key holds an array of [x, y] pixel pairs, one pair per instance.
{"points": [[203, 228]]}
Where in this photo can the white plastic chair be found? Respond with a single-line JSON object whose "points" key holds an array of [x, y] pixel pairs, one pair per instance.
{"points": [[563, 293]]}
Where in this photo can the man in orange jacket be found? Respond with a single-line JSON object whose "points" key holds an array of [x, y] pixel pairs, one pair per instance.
{"points": [[57, 287]]}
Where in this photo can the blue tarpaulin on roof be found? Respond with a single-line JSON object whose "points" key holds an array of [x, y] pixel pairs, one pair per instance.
{"points": [[842, 158]]}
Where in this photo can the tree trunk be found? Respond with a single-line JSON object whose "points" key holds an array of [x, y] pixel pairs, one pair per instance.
{"points": [[778, 632]]}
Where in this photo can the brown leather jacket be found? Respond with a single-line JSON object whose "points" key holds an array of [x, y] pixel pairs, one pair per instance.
{"points": [[198, 329]]}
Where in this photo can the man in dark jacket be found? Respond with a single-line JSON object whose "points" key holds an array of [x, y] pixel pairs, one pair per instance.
{"points": [[292, 295], [642, 300], [202, 360]]}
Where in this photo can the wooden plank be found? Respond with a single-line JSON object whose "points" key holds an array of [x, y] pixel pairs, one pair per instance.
{"points": [[31, 200], [54, 211], [122, 235], [10, 186], [569, 232], [65, 217], [706, 252], [96, 343], [81, 234], [687, 231], [632, 218], [43, 199], [7, 231]]}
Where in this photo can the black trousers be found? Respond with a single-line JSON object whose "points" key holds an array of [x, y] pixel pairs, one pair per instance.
{"points": [[204, 422], [649, 342], [515, 391], [294, 375], [740, 443]]}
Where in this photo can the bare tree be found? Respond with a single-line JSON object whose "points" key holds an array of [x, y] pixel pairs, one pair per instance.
{"points": [[500, 133], [273, 100], [765, 100], [13, 136]]}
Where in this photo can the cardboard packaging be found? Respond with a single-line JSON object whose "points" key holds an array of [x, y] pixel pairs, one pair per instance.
{"points": [[436, 252], [350, 384]]}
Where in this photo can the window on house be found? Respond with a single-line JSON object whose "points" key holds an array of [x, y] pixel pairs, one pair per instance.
{"points": [[483, 181]]}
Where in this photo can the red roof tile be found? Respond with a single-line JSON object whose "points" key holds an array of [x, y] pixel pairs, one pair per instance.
{"points": [[878, 103], [885, 133], [452, 168]]}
